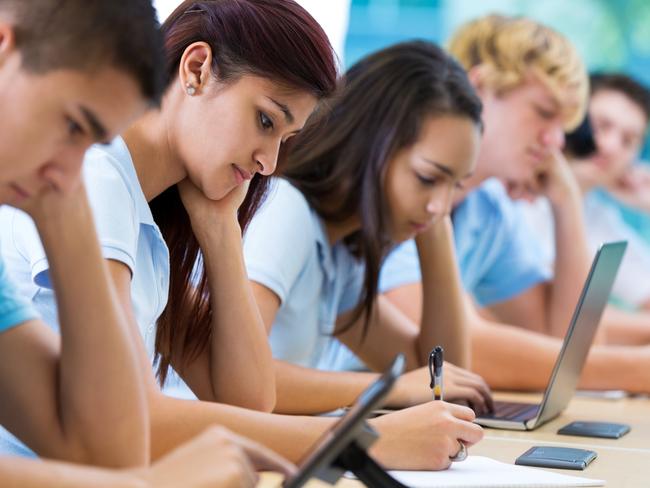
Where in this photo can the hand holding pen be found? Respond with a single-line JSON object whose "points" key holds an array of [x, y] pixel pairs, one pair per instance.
{"points": [[436, 360]]}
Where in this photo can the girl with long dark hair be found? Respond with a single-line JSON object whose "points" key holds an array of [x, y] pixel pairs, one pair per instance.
{"points": [[244, 77], [380, 167]]}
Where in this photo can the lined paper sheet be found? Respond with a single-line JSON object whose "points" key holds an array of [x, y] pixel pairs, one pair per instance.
{"points": [[479, 471]]}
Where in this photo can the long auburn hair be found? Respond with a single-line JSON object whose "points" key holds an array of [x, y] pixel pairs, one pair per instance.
{"points": [[339, 161], [275, 39]]}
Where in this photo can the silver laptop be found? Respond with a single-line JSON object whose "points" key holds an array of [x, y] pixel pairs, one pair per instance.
{"points": [[578, 339]]}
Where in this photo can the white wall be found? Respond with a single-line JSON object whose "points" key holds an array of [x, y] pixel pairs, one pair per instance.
{"points": [[333, 15]]}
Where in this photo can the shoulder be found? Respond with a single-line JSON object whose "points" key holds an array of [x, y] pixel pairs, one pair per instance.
{"points": [[286, 199], [490, 198], [110, 167]]}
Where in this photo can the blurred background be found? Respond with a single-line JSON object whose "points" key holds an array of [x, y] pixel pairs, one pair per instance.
{"points": [[612, 35]]}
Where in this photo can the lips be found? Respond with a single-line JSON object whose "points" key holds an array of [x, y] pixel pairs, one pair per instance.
{"points": [[420, 227], [241, 174], [538, 155], [22, 193]]}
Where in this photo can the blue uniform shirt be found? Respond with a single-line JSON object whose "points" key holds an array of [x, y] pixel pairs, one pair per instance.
{"points": [[498, 254], [127, 233], [286, 249], [14, 310]]}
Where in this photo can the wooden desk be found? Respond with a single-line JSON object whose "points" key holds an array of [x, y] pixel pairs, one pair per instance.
{"points": [[622, 463], [632, 411]]}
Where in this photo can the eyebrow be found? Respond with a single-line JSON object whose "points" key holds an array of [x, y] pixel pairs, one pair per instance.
{"points": [[99, 132], [285, 110], [445, 169]]}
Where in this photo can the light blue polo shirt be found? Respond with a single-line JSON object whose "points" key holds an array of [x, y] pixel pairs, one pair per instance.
{"points": [[498, 253], [126, 230], [287, 250], [14, 309], [127, 233]]}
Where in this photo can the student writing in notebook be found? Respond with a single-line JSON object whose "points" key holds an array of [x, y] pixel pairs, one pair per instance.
{"points": [[534, 86], [235, 96], [380, 166], [79, 398]]}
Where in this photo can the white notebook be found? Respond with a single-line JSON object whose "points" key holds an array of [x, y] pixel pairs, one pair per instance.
{"points": [[479, 471]]}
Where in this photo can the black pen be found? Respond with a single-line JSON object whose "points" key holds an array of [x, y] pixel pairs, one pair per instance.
{"points": [[435, 370]]}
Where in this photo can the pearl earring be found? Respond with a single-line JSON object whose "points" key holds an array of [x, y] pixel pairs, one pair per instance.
{"points": [[191, 90]]}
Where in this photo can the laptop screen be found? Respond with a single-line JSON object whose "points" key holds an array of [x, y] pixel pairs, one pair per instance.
{"points": [[582, 330]]}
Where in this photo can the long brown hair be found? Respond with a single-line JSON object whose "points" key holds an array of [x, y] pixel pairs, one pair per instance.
{"points": [[275, 39], [339, 161]]}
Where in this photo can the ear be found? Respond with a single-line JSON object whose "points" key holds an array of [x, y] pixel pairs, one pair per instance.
{"points": [[476, 75], [7, 41], [195, 68]]}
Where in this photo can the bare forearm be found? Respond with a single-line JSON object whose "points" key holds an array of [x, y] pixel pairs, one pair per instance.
{"points": [[23, 473], [500, 350], [174, 422], [626, 328], [571, 263], [443, 319], [309, 391], [240, 361], [98, 371]]}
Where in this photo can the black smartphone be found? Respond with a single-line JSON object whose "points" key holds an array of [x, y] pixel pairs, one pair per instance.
{"points": [[329, 445]]}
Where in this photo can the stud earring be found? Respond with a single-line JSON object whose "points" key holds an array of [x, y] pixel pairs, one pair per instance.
{"points": [[191, 89]]}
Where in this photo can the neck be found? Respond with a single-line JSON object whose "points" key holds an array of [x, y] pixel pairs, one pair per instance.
{"points": [[153, 154], [337, 231]]}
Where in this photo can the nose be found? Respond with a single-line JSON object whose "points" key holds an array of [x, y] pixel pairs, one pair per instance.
{"points": [[267, 157], [553, 137], [440, 200], [64, 169], [608, 143]]}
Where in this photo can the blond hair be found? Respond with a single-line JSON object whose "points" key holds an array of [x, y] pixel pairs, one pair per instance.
{"points": [[511, 49]]}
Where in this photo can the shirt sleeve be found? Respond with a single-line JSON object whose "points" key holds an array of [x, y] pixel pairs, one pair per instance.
{"points": [[517, 261], [113, 211], [14, 310], [279, 239], [401, 267]]}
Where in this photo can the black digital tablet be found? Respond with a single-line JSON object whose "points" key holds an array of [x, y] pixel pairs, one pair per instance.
{"points": [[318, 461]]}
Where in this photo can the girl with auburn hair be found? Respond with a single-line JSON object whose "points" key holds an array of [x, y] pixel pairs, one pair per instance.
{"points": [[189, 177], [244, 77], [380, 167]]}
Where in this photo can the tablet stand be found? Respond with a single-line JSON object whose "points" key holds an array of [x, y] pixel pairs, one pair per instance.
{"points": [[355, 458]]}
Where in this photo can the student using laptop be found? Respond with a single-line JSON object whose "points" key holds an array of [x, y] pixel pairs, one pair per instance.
{"points": [[533, 87], [379, 167], [570, 361], [57, 100], [213, 122]]}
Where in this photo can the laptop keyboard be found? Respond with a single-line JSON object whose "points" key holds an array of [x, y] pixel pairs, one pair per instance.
{"points": [[513, 411]]}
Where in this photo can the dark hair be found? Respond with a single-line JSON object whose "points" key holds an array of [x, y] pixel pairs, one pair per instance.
{"points": [[339, 162], [580, 142], [87, 34], [628, 86], [274, 39]]}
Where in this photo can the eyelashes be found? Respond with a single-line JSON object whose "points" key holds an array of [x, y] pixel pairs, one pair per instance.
{"points": [[265, 121]]}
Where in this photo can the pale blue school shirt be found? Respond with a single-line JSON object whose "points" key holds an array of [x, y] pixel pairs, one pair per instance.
{"points": [[286, 249], [14, 309], [498, 254], [127, 233]]}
